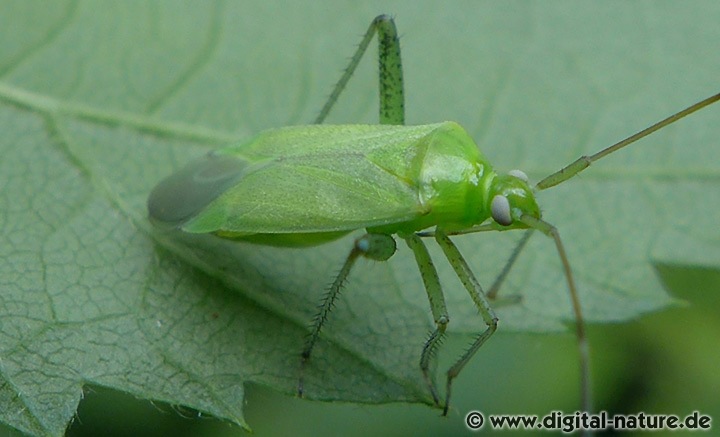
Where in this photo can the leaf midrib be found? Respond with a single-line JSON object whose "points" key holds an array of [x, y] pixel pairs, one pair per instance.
{"points": [[214, 137]]}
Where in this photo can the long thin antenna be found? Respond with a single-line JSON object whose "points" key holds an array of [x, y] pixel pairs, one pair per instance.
{"points": [[583, 348], [584, 161]]}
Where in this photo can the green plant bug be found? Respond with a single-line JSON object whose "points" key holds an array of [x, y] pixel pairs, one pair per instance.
{"points": [[307, 185]]}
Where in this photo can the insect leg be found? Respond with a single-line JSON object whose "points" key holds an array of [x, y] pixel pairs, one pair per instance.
{"points": [[493, 290], [473, 287], [495, 287], [392, 98], [437, 306], [378, 247], [583, 348]]}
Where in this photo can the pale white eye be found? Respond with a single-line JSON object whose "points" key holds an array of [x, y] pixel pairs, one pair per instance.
{"points": [[519, 174], [500, 210]]}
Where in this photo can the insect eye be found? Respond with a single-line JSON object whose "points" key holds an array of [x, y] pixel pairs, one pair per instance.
{"points": [[500, 210], [519, 174]]}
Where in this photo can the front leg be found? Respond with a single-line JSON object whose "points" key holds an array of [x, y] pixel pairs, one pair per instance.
{"points": [[473, 287]]}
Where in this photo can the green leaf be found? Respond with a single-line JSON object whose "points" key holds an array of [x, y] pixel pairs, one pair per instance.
{"points": [[99, 101]]}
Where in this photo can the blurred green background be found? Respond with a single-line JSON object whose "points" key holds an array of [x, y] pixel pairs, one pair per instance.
{"points": [[663, 363]]}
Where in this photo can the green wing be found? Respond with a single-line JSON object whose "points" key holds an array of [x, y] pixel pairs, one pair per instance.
{"points": [[309, 179]]}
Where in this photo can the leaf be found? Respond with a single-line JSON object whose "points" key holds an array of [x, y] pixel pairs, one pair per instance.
{"points": [[99, 101]]}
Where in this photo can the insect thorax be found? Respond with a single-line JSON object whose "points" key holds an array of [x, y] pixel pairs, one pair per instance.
{"points": [[452, 180]]}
